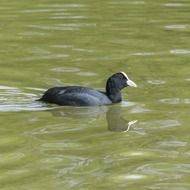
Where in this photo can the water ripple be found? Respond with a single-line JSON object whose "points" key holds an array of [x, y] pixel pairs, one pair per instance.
{"points": [[180, 51], [173, 143], [44, 57], [156, 82], [65, 69], [68, 17], [14, 99], [156, 124], [87, 74], [139, 109], [176, 26], [175, 101], [174, 4], [144, 53], [130, 177], [32, 33], [10, 157], [71, 5], [41, 10], [63, 27], [163, 169]]}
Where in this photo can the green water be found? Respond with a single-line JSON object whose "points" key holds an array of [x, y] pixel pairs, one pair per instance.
{"points": [[51, 43]]}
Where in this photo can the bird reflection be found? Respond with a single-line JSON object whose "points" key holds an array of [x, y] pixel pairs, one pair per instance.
{"points": [[114, 116], [79, 112], [115, 120]]}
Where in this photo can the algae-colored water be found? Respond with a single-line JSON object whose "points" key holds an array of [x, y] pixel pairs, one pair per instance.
{"points": [[141, 143]]}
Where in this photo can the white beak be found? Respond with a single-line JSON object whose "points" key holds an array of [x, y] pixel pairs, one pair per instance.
{"points": [[131, 83]]}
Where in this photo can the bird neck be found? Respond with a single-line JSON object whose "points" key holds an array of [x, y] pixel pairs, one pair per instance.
{"points": [[113, 92]]}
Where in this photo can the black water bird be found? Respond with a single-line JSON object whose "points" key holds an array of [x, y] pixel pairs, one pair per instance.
{"points": [[84, 96]]}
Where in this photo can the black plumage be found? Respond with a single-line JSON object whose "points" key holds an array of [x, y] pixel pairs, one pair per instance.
{"points": [[84, 96]]}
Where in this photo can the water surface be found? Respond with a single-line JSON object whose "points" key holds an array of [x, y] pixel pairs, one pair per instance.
{"points": [[142, 142]]}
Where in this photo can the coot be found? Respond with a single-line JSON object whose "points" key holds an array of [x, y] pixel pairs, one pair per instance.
{"points": [[83, 96]]}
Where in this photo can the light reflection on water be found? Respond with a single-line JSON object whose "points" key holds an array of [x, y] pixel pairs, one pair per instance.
{"points": [[13, 99], [174, 4], [175, 101], [180, 51]]}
